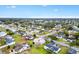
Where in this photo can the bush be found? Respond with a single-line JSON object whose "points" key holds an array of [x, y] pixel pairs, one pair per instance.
{"points": [[76, 35], [8, 21], [72, 43], [2, 42], [53, 37], [10, 33], [77, 42]]}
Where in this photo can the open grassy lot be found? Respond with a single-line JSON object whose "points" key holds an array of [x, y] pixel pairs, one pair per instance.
{"points": [[63, 40], [2, 29], [63, 50], [18, 38], [39, 50]]}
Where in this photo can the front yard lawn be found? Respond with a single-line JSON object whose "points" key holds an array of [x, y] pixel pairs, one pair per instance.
{"points": [[63, 50], [36, 50], [18, 38]]}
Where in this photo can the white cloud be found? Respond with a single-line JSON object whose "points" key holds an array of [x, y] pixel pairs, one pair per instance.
{"points": [[3, 16], [8, 16], [44, 5], [11, 6]]}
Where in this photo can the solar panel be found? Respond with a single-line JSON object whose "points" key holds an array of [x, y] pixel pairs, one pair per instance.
{"points": [[49, 45], [72, 51], [54, 48]]}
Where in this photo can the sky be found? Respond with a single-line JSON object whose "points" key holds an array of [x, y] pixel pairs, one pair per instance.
{"points": [[48, 11]]}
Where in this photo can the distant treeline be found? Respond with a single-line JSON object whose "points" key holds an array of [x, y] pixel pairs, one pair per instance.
{"points": [[15, 19]]}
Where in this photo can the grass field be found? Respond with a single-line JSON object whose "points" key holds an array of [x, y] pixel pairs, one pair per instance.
{"points": [[2, 29], [63, 50], [18, 38], [36, 50]]}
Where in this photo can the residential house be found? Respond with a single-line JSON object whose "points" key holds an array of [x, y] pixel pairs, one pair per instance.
{"points": [[27, 37], [48, 39], [52, 47], [24, 47], [9, 39], [75, 28], [72, 51], [39, 41], [2, 34], [21, 47]]}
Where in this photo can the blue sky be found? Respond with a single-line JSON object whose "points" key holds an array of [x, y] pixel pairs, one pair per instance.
{"points": [[38, 10]]}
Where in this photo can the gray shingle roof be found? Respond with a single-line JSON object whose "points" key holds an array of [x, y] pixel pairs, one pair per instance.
{"points": [[72, 51]]}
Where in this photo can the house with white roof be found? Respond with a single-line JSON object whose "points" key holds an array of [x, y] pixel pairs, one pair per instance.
{"points": [[2, 34], [75, 28], [39, 41]]}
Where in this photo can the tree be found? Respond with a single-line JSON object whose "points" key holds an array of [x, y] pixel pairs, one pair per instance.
{"points": [[78, 26], [70, 28], [34, 35], [73, 43], [77, 42], [9, 21], [76, 35], [66, 33], [10, 32], [2, 42], [8, 47], [53, 37], [7, 30], [16, 24]]}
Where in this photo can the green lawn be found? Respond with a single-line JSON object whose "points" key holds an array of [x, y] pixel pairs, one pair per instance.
{"points": [[2, 42], [63, 40], [2, 29], [63, 50], [39, 50], [17, 38], [36, 50]]}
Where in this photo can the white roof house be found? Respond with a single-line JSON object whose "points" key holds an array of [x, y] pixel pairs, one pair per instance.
{"points": [[13, 30], [75, 28], [2, 34], [39, 41], [48, 39], [58, 26]]}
